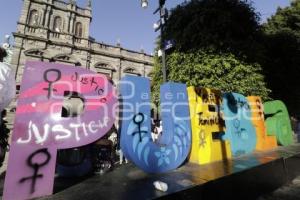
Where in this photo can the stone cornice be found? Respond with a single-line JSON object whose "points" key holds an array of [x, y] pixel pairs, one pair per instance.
{"points": [[90, 50], [121, 48]]}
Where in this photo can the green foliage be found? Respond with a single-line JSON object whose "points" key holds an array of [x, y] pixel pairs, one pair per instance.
{"points": [[286, 20], [218, 71], [218, 25], [282, 63], [218, 45]]}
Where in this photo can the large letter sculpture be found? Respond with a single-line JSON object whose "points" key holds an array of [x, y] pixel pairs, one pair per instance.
{"points": [[40, 129], [173, 147], [239, 128], [264, 142], [207, 126], [278, 122]]}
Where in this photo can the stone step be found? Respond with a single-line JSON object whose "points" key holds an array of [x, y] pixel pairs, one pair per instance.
{"points": [[246, 177]]}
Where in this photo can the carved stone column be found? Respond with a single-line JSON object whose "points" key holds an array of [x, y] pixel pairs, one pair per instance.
{"points": [[46, 18], [72, 19]]}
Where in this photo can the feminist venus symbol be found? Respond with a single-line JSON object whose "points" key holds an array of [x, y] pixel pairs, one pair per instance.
{"points": [[138, 119], [237, 125], [36, 167], [46, 78]]}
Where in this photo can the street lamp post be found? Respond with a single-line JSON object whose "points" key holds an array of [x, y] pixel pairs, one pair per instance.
{"points": [[162, 18], [163, 14]]}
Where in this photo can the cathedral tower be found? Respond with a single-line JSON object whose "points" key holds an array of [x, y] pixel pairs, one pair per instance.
{"points": [[47, 27]]}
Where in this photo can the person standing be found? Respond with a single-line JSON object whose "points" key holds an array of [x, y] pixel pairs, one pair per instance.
{"points": [[7, 93], [7, 82]]}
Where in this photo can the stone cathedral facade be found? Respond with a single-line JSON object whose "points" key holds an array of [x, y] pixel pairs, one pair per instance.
{"points": [[58, 31]]}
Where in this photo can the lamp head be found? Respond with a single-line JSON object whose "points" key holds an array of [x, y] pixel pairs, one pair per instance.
{"points": [[144, 3]]}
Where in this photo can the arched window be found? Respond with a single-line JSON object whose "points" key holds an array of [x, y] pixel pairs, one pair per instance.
{"points": [[57, 24], [131, 71], [78, 29], [106, 69], [33, 17]]}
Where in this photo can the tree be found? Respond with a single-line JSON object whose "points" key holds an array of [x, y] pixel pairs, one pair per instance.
{"points": [[218, 25], [285, 20], [282, 63], [217, 46], [218, 71]]}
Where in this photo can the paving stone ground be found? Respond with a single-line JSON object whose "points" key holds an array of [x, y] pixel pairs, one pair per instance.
{"points": [[290, 191]]}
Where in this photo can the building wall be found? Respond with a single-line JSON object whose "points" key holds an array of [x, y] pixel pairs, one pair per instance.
{"points": [[39, 39]]}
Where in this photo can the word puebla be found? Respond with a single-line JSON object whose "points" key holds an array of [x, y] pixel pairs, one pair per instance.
{"points": [[199, 124]]}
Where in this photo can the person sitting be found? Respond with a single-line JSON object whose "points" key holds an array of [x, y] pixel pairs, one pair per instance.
{"points": [[157, 132], [154, 134]]}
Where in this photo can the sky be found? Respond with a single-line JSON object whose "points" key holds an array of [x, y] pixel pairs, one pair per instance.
{"points": [[122, 20]]}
